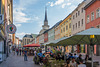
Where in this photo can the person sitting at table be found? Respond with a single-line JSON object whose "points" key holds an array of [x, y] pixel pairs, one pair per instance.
{"points": [[81, 64], [73, 62], [86, 58], [79, 58]]}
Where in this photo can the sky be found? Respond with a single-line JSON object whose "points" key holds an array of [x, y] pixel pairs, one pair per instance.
{"points": [[28, 15]]}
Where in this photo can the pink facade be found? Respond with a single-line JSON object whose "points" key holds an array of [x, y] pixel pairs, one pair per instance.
{"points": [[45, 37], [88, 12], [92, 16]]}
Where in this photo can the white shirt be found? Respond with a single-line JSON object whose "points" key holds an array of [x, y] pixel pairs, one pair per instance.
{"points": [[72, 64], [81, 65], [35, 53]]}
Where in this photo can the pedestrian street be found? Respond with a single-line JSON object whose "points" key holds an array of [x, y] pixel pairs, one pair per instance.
{"points": [[18, 61]]}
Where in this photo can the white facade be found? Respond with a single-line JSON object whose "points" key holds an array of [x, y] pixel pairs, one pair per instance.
{"points": [[41, 39], [78, 19]]}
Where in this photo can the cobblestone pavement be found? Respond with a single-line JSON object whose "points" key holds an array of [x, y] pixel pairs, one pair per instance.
{"points": [[18, 61]]}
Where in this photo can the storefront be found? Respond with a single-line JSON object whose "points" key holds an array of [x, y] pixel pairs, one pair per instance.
{"points": [[1, 46]]}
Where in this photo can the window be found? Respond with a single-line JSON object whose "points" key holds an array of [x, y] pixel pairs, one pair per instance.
{"points": [[73, 16], [66, 27], [70, 19], [98, 13], [78, 13], [70, 25], [88, 19], [82, 10], [73, 27], [92, 16], [82, 22], [79, 24], [76, 25], [61, 30]]}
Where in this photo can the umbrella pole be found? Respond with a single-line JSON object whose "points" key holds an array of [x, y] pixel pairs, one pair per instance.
{"points": [[92, 55]]}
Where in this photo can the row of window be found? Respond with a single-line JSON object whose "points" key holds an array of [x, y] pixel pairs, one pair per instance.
{"points": [[78, 13], [63, 30], [66, 22], [78, 25], [92, 15]]}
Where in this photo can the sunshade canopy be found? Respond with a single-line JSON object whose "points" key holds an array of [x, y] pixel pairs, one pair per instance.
{"points": [[53, 43], [83, 38], [32, 45]]}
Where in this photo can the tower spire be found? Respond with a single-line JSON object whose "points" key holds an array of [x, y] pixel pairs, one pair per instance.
{"points": [[45, 20]]}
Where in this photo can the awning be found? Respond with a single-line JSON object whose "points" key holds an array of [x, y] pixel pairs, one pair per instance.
{"points": [[82, 38], [32, 45], [53, 43]]}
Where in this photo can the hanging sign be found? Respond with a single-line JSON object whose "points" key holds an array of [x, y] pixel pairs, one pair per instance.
{"points": [[11, 28]]}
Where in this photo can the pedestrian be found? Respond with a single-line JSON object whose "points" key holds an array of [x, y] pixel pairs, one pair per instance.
{"points": [[20, 51], [13, 49], [17, 50], [79, 58], [25, 54], [75, 56], [86, 58], [81, 64], [40, 57], [73, 63]]}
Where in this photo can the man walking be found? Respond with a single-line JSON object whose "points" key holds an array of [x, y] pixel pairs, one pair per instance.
{"points": [[25, 55]]}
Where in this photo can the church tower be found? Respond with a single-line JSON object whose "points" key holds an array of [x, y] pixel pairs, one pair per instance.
{"points": [[45, 26]]}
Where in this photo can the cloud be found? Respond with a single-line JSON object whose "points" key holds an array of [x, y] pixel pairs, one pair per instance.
{"points": [[68, 4], [63, 5], [18, 25], [20, 16], [58, 2]]}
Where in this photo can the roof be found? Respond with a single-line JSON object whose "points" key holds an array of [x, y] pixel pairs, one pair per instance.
{"points": [[78, 6], [34, 35], [89, 4], [28, 36]]}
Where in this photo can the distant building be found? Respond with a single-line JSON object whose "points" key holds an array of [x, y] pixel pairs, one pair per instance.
{"points": [[28, 38]]}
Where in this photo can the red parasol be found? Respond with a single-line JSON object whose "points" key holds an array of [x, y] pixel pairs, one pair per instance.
{"points": [[32, 45]]}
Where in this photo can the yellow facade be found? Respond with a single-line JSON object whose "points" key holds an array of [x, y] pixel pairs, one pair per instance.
{"points": [[65, 27]]}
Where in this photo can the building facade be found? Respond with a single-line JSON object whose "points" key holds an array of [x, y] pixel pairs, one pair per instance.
{"points": [[57, 30], [27, 39], [41, 39], [6, 18], [46, 36], [92, 16], [37, 39], [78, 19], [51, 34]]}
